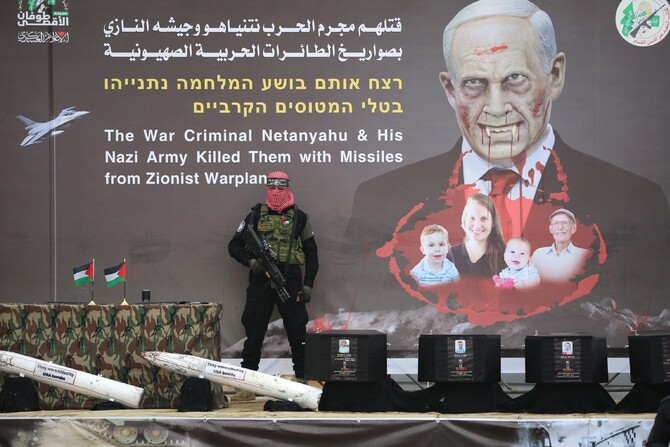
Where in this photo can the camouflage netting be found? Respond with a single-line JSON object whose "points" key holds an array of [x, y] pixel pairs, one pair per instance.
{"points": [[107, 340]]}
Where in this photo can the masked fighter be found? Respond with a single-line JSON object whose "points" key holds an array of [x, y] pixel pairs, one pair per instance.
{"points": [[288, 231]]}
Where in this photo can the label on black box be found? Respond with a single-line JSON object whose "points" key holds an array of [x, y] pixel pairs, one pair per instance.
{"points": [[344, 355], [460, 357], [567, 360]]}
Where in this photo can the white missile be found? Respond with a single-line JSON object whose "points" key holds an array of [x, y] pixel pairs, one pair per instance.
{"points": [[237, 377], [71, 379]]}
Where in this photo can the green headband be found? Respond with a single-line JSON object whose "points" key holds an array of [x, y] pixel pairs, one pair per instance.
{"points": [[278, 182]]}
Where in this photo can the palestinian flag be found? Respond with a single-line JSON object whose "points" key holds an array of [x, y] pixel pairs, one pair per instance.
{"points": [[116, 274], [84, 274]]}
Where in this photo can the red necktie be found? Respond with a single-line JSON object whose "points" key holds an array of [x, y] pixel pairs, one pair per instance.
{"points": [[502, 181]]}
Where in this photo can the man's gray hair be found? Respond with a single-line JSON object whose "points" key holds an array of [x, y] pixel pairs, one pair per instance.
{"points": [[538, 19]]}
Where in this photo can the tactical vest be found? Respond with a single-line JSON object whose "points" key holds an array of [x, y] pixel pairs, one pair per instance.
{"points": [[277, 229]]}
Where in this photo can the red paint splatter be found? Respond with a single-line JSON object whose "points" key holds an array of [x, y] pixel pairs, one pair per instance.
{"points": [[491, 50], [560, 196], [499, 48], [539, 100], [321, 324], [520, 161], [387, 249], [455, 173], [602, 251], [563, 178]]}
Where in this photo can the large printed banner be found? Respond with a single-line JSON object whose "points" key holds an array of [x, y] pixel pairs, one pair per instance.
{"points": [[518, 187]]}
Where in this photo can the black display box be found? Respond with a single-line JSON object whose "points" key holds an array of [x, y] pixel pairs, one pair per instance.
{"points": [[649, 357], [566, 358], [351, 356], [459, 358]]}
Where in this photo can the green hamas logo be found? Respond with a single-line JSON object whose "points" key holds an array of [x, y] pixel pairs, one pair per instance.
{"points": [[633, 21], [643, 22], [33, 4], [38, 14]]}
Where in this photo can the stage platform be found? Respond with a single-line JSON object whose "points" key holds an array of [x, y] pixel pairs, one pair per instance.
{"points": [[246, 423]]}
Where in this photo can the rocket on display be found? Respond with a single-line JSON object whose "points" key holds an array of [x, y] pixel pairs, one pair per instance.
{"points": [[71, 379], [237, 377]]}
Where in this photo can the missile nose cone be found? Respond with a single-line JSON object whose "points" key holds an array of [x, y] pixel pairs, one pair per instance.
{"points": [[149, 355]]}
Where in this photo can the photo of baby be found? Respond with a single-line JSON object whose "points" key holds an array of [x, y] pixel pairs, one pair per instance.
{"points": [[519, 273], [435, 268]]}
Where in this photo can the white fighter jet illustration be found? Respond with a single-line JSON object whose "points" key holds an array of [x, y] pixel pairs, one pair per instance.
{"points": [[37, 131]]}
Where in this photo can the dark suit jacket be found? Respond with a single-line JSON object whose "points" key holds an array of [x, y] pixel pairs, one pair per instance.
{"points": [[630, 212]]}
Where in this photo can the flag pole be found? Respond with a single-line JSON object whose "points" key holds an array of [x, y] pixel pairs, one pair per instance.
{"points": [[124, 282], [93, 282]]}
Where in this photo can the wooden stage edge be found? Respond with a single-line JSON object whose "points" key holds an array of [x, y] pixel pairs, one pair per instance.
{"points": [[254, 410]]}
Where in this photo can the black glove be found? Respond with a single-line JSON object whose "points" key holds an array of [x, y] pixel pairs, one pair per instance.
{"points": [[305, 295], [256, 266]]}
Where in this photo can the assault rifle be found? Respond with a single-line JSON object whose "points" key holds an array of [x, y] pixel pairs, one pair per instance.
{"points": [[268, 259]]}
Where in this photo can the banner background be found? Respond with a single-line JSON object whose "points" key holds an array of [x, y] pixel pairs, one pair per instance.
{"points": [[57, 211]]}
